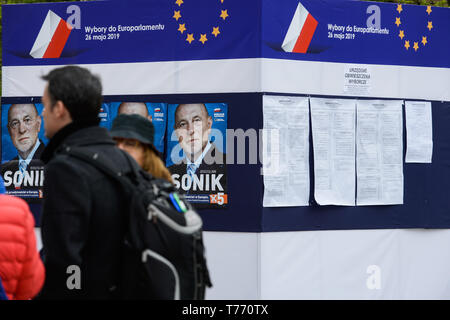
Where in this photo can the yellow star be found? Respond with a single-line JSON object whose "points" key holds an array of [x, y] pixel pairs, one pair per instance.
{"points": [[224, 14], [221, 1], [190, 37], [399, 8], [416, 46], [177, 15], [430, 25], [182, 28], [424, 40], [397, 21], [429, 10], [203, 38], [407, 44], [179, 2], [401, 34], [215, 31]]}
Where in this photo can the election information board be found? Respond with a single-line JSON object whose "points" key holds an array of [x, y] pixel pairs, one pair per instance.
{"points": [[156, 55], [330, 115]]}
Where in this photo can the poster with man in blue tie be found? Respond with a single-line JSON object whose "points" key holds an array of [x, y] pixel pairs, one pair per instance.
{"points": [[22, 144], [196, 144]]}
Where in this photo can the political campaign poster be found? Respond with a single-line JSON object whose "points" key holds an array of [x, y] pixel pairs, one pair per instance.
{"points": [[22, 144], [196, 147], [154, 112], [105, 116]]}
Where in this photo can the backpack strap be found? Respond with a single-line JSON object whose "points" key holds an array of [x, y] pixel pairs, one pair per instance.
{"points": [[94, 159], [126, 181]]}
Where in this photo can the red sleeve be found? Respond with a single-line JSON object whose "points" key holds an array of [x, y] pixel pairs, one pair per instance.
{"points": [[33, 273]]}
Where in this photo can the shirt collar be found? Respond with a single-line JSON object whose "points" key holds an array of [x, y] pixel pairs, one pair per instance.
{"points": [[30, 156], [200, 159]]}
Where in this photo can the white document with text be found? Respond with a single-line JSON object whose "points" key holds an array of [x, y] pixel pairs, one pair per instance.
{"points": [[419, 132], [285, 151], [333, 135], [379, 152]]}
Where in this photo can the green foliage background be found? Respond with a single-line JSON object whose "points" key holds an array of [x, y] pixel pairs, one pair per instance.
{"points": [[437, 3]]}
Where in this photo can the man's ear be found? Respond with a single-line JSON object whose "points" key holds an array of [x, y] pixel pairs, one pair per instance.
{"points": [[39, 120], [149, 117], [209, 122], [60, 110]]}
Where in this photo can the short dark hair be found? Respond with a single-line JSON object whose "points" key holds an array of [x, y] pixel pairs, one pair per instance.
{"points": [[78, 89]]}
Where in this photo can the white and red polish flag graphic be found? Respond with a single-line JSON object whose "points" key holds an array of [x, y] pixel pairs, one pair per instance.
{"points": [[300, 32], [52, 37]]}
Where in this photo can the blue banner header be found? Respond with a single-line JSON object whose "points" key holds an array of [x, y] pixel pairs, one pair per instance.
{"points": [[129, 31], [357, 32], [160, 30]]}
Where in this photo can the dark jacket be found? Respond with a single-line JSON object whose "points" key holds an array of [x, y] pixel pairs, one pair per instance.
{"points": [[83, 217]]}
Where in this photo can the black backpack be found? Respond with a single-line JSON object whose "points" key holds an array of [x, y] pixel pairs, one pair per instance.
{"points": [[163, 251]]}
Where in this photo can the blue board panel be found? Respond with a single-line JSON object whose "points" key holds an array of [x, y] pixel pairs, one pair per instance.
{"points": [[426, 201], [244, 181], [243, 211], [426, 195]]}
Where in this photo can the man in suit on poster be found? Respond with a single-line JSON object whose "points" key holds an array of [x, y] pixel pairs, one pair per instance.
{"points": [[203, 161], [24, 124]]}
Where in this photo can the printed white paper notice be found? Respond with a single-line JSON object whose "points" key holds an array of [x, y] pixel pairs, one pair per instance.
{"points": [[333, 132], [419, 132], [357, 80], [285, 151], [379, 152]]}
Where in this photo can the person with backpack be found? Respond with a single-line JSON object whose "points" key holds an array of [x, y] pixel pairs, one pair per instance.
{"points": [[21, 270], [164, 227], [84, 211], [134, 134]]}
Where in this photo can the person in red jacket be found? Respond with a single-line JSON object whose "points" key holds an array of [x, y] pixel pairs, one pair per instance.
{"points": [[2, 291], [21, 269]]}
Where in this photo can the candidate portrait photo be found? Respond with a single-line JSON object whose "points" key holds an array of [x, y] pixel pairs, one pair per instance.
{"points": [[22, 144], [196, 138]]}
